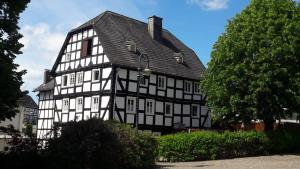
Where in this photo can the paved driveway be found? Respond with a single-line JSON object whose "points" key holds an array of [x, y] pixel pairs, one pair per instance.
{"points": [[261, 162]]}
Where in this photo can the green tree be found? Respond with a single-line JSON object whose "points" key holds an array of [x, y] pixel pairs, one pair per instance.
{"points": [[254, 70], [10, 77]]}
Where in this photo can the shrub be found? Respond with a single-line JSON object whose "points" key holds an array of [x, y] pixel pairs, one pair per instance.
{"points": [[209, 145], [98, 144]]}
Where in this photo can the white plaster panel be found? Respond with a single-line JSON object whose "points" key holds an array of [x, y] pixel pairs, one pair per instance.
{"points": [[86, 115], [170, 82], [87, 75], [100, 50], [208, 121], [70, 90], [195, 122], [179, 84], [95, 86], [55, 91], [72, 103], [152, 78], [122, 73], [143, 90], [132, 75], [177, 108], [189, 97], [204, 110], [186, 109], [132, 87], [152, 89], [58, 80], [95, 40], [100, 59], [94, 50], [149, 120], [106, 72], [186, 121], [94, 60], [76, 63], [90, 33], [86, 86], [104, 101], [170, 93], [82, 62], [120, 101], [197, 97], [141, 104], [130, 118], [179, 94], [141, 118], [78, 117], [78, 89], [159, 120], [160, 93], [177, 119], [87, 102], [64, 91], [72, 116], [108, 85], [106, 114], [87, 61], [168, 121], [159, 106], [78, 47], [64, 118], [105, 58]]}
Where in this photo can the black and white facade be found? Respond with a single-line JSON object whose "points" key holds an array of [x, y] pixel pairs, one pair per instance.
{"points": [[95, 75]]}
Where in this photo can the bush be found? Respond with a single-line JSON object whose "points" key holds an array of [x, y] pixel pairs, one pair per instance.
{"points": [[100, 144], [210, 145]]}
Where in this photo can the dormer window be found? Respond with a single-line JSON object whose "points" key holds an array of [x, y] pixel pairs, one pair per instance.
{"points": [[86, 49], [131, 46], [179, 57]]}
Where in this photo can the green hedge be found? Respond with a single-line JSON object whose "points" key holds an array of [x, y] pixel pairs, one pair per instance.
{"points": [[210, 145]]}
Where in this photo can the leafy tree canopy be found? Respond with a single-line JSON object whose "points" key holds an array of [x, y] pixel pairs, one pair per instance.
{"points": [[254, 70], [10, 78]]}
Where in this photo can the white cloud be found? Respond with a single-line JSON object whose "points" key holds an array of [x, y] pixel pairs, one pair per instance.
{"points": [[210, 4]]}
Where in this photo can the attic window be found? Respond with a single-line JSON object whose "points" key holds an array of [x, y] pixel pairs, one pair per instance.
{"points": [[131, 46], [86, 49], [179, 57]]}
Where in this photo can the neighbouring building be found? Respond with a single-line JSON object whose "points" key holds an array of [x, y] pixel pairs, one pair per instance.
{"points": [[28, 115], [95, 75]]}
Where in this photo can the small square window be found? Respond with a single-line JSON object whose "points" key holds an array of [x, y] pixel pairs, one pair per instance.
{"points": [[149, 106], [161, 82], [130, 105], [96, 75]]}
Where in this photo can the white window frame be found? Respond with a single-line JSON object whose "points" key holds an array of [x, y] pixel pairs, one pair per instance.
{"points": [[130, 105], [78, 80], [149, 108], [67, 57], [198, 110], [159, 83], [196, 87], [171, 109], [62, 83], [72, 79], [95, 106], [190, 86], [93, 75], [65, 107], [79, 107]]}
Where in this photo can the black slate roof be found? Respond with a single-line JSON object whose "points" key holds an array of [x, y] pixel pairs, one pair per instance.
{"points": [[114, 30], [28, 102]]}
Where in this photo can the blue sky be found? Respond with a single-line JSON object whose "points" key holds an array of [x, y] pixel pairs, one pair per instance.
{"points": [[45, 24]]}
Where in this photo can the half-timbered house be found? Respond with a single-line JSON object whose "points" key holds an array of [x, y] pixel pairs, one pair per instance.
{"points": [[95, 75]]}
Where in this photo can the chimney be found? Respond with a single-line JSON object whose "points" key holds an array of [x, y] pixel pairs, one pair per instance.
{"points": [[46, 76], [155, 27]]}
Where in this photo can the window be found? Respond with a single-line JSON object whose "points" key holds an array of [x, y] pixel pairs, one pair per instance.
{"points": [[68, 57], [72, 79], [65, 105], [86, 49], [195, 111], [161, 82], [130, 105], [143, 81], [95, 103], [196, 87], [187, 87], [96, 75], [168, 109], [79, 78], [149, 107], [79, 104], [65, 80]]}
